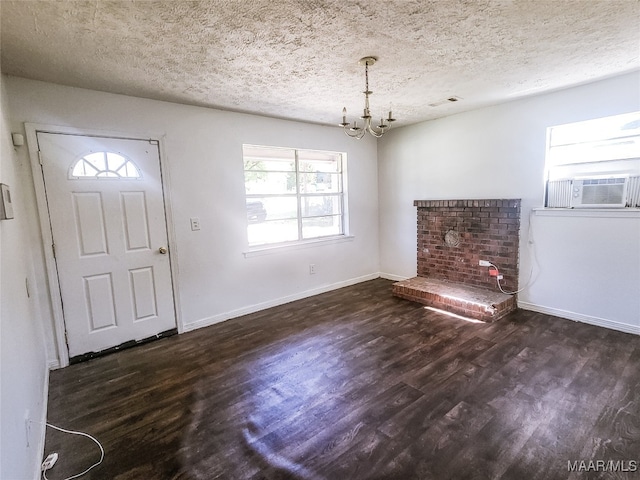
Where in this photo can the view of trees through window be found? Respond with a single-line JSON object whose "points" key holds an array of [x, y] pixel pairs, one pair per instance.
{"points": [[292, 195]]}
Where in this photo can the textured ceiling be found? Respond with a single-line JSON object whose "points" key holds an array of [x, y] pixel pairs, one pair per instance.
{"points": [[298, 59]]}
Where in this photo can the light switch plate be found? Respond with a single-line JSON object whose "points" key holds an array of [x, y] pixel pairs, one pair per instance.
{"points": [[195, 223]]}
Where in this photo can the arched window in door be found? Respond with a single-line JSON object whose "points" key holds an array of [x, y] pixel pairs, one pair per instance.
{"points": [[104, 165]]}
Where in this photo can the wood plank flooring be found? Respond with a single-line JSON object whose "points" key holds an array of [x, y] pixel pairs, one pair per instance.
{"points": [[357, 384]]}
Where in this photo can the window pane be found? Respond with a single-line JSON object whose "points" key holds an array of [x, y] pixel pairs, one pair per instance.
{"points": [[320, 182], [104, 165], [84, 169], [616, 126], [272, 231], [115, 161], [261, 183], [321, 205], [617, 149], [321, 226], [98, 160], [255, 211], [318, 161], [609, 138], [273, 165], [328, 166], [260, 209], [268, 158], [128, 170]]}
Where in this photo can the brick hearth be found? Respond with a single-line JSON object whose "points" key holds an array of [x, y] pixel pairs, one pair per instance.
{"points": [[453, 235], [469, 301]]}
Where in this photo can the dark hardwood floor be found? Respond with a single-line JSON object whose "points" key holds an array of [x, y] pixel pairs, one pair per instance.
{"points": [[357, 384]]}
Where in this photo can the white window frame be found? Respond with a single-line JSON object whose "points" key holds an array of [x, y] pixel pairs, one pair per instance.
{"points": [[605, 148], [258, 249]]}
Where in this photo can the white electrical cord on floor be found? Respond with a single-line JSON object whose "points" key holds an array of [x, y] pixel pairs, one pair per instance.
{"points": [[73, 432]]}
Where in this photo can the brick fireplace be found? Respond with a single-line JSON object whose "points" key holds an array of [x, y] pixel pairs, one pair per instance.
{"points": [[453, 236]]}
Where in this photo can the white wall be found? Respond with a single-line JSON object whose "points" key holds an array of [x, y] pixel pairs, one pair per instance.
{"points": [[23, 365], [203, 157], [587, 268]]}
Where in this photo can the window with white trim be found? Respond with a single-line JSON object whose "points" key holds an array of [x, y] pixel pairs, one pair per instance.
{"points": [[293, 195], [594, 164]]}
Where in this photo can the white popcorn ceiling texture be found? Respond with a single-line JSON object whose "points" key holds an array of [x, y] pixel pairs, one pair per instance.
{"points": [[298, 59]]}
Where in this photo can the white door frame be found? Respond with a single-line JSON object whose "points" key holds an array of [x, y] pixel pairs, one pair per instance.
{"points": [[47, 237]]}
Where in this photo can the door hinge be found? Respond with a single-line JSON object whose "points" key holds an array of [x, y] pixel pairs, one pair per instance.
{"points": [[53, 248], [40, 157]]}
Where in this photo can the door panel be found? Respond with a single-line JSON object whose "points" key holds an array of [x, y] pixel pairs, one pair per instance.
{"points": [[143, 292], [108, 223], [136, 229], [90, 226], [100, 302]]}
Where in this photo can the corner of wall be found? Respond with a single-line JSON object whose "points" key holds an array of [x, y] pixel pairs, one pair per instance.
{"points": [[24, 378]]}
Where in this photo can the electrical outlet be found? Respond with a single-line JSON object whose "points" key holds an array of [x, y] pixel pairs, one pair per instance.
{"points": [[484, 263], [195, 223], [312, 269]]}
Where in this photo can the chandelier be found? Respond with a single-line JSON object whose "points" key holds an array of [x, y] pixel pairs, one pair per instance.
{"points": [[353, 130]]}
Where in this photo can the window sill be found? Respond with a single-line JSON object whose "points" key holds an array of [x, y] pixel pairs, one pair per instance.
{"points": [[588, 212], [282, 248]]}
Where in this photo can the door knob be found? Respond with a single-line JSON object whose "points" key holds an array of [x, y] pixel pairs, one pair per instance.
{"points": [[163, 250]]}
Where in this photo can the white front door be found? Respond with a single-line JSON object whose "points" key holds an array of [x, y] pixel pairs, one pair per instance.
{"points": [[108, 223]]}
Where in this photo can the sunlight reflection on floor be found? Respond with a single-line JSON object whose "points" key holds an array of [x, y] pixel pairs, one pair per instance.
{"points": [[454, 315]]}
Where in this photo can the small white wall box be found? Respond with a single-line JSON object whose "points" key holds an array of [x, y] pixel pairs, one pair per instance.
{"points": [[6, 208], [18, 139]]}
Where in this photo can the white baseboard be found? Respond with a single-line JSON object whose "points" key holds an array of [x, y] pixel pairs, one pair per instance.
{"points": [[205, 322], [391, 276], [579, 317]]}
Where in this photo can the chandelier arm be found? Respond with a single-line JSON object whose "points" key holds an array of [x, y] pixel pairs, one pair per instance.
{"points": [[373, 132], [376, 132], [357, 135]]}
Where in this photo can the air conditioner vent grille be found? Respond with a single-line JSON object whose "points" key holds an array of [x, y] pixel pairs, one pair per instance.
{"points": [[559, 194], [633, 192], [605, 192], [594, 192]]}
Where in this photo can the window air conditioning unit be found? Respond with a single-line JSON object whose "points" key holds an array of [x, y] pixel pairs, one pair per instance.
{"points": [[599, 191]]}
